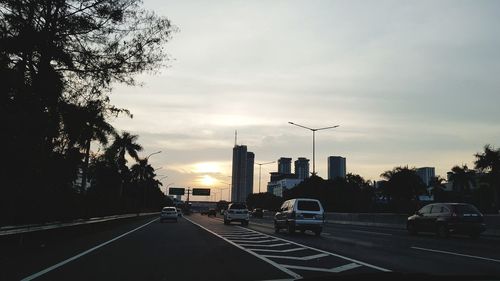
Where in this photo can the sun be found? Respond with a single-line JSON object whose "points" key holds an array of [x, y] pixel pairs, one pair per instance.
{"points": [[208, 180]]}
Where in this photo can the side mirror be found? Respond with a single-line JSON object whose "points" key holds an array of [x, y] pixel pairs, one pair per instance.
{"points": [[418, 213]]}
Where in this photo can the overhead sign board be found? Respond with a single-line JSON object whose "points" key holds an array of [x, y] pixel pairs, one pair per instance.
{"points": [[176, 191], [201, 191]]}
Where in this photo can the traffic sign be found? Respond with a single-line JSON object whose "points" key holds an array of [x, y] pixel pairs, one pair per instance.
{"points": [[176, 191], [201, 191]]}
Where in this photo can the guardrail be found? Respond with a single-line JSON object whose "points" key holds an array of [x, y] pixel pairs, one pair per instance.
{"points": [[18, 229]]}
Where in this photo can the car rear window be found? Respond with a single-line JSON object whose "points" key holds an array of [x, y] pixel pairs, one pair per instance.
{"points": [[308, 206], [238, 206], [169, 209], [466, 209]]}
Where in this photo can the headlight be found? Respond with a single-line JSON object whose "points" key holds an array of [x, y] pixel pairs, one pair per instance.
{"points": [[318, 217]]}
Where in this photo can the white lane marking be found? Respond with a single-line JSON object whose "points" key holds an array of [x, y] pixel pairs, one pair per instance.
{"points": [[278, 266], [260, 245], [371, 232], [259, 241], [334, 270], [40, 273], [306, 258], [246, 236], [455, 254], [278, 251], [335, 255]]}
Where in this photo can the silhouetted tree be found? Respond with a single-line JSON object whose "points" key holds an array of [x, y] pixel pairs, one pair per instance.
{"points": [[403, 187], [489, 162], [463, 180], [59, 58]]}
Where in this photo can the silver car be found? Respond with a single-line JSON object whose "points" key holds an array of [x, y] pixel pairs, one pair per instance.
{"points": [[168, 213], [300, 214]]}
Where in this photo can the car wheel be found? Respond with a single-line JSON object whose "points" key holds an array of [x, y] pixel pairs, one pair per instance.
{"points": [[276, 228], [442, 231], [226, 222], [291, 229], [244, 223], [317, 232], [175, 220], [412, 229]]}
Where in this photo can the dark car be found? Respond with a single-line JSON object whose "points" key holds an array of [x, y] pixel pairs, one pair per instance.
{"points": [[258, 213], [445, 219], [212, 212]]}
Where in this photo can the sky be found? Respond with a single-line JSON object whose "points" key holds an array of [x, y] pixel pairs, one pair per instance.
{"points": [[408, 82]]}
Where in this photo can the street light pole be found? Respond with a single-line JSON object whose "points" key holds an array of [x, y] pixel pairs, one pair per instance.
{"points": [[314, 140], [147, 157], [260, 168]]}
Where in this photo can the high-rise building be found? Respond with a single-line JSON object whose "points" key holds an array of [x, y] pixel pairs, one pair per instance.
{"points": [[242, 176], [302, 168], [285, 165], [426, 174], [336, 167], [250, 168]]}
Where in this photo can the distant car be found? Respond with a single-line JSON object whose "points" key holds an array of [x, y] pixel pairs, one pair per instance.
{"points": [[168, 213], [236, 212], [445, 219], [300, 214], [212, 212], [258, 213], [179, 212]]}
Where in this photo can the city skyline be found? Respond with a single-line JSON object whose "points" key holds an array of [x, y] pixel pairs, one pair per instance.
{"points": [[259, 65]]}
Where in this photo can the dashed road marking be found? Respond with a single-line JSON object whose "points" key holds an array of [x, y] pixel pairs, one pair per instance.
{"points": [[272, 249], [306, 258], [333, 270]]}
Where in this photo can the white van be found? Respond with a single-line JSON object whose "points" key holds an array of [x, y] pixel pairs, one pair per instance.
{"points": [[300, 214]]}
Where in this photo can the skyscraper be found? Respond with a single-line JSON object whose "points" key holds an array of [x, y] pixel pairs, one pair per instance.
{"points": [[302, 168], [285, 165], [242, 176], [336, 167], [426, 174], [250, 168]]}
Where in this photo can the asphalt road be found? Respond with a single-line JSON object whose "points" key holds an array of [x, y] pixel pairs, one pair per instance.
{"points": [[202, 248]]}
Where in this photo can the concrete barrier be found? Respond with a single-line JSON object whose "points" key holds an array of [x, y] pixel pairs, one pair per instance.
{"points": [[397, 220], [17, 229]]}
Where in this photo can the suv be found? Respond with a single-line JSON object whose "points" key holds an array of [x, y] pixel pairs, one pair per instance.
{"points": [[447, 218], [236, 212], [300, 214]]}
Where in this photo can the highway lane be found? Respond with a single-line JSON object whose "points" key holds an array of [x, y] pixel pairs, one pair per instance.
{"points": [[202, 248], [395, 249], [165, 251]]}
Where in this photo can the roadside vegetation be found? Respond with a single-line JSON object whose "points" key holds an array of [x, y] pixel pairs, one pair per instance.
{"points": [[59, 61]]}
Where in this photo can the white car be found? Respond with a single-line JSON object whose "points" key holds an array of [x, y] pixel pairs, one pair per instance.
{"points": [[168, 213], [237, 212]]}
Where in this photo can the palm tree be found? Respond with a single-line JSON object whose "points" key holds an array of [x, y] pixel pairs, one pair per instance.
{"points": [[125, 143], [437, 184], [489, 162], [463, 179], [84, 124], [142, 171]]}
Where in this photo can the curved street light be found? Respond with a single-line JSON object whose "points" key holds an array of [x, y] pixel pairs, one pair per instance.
{"points": [[313, 140], [147, 157], [260, 168]]}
